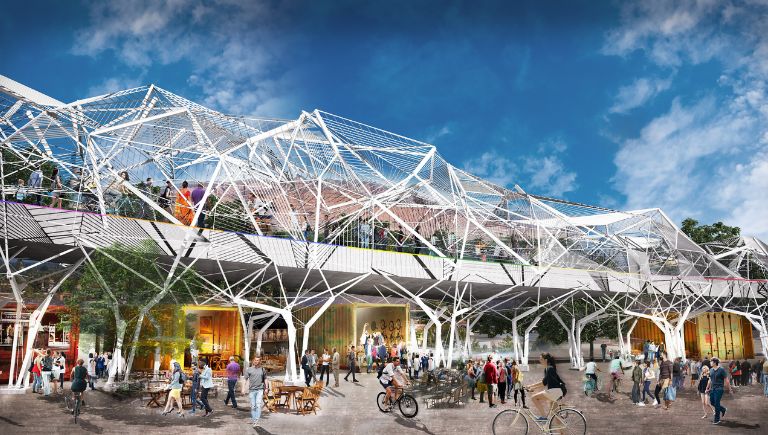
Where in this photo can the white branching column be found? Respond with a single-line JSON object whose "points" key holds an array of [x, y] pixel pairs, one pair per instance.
{"points": [[260, 334], [35, 321], [580, 324], [569, 330], [291, 372], [672, 330], [527, 343], [454, 317]]}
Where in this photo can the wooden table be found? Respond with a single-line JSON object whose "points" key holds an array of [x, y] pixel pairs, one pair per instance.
{"points": [[154, 397], [290, 391]]}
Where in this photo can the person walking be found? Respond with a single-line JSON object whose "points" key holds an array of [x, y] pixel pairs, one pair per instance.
{"points": [[491, 379], [765, 376], [233, 373], [718, 379], [197, 200], [313, 364], [603, 348], [470, 378], [335, 362], [256, 378], [702, 389], [637, 379], [677, 373], [56, 193], [206, 383], [184, 210], [351, 361], [517, 384], [648, 376], [195, 389], [37, 384], [46, 371], [174, 395], [665, 378], [100, 365], [746, 373], [694, 371], [325, 366], [502, 381], [306, 360], [55, 372], [91, 371], [416, 365]]}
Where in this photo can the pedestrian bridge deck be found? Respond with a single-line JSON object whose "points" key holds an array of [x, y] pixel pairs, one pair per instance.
{"points": [[44, 232]]}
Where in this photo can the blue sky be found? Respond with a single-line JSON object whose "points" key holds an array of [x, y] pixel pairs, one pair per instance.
{"points": [[621, 104]]}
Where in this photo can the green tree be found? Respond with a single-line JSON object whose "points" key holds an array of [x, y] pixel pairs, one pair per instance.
{"points": [[718, 231], [125, 283]]}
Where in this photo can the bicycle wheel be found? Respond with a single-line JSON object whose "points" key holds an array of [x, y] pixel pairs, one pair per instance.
{"points": [[381, 402], [510, 421], [568, 421], [77, 407], [68, 403], [408, 406]]}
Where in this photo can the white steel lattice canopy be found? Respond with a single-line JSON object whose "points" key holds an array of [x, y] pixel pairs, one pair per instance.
{"points": [[323, 178], [292, 202]]}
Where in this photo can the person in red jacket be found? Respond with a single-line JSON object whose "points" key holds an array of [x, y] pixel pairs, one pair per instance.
{"points": [[492, 379]]}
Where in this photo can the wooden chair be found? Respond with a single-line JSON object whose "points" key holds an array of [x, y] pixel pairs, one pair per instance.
{"points": [[317, 387], [272, 398], [308, 401]]}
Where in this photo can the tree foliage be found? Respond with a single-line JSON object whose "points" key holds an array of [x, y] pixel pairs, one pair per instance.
{"points": [[701, 233]]}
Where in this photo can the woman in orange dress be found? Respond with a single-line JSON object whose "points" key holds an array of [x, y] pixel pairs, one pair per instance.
{"points": [[184, 211]]}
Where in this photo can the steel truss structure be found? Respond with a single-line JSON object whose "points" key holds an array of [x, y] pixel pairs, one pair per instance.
{"points": [[324, 209]]}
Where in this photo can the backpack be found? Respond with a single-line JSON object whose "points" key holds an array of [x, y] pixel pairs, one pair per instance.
{"points": [[47, 363], [380, 371], [183, 377]]}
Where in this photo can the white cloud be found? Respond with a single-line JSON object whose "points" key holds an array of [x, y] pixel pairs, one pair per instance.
{"points": [[235, 57], [549, 176], [436, 133], [638, 93], [543, 172], [114, 84], [708, 157], [493, 167]]}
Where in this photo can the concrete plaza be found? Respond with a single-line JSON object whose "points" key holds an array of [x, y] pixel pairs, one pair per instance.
{"points": [[351, 409]]}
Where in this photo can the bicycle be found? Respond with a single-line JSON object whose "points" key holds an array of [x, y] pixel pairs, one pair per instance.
{"points": [[561, 419], [591, 385], [405, 402], [73, 402]]}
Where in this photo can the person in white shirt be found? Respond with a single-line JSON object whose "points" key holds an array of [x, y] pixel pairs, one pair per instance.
{"points": [[325, 366], [591, 370], [91, 367], [392, 378]]}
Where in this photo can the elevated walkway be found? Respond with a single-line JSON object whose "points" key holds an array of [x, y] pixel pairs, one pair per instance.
{"points": [[45, 232]]}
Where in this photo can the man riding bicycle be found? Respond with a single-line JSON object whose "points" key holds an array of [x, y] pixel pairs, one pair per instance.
{"points": [[392, 378]]}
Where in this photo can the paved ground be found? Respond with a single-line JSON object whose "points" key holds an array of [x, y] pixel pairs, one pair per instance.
{"points": [[350, 409]]}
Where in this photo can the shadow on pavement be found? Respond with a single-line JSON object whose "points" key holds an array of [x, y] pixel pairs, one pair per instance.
{"points": [[11, 422], [412, 423], [735, 425]]}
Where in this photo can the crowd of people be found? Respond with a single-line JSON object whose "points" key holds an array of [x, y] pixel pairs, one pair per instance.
{"points": [[709, 376]]}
